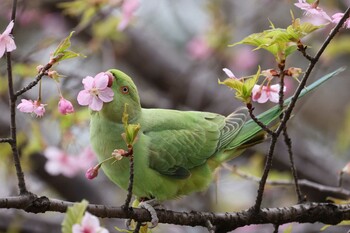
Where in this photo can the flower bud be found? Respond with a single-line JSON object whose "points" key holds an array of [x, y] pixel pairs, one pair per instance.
{"points": [[65, 106], [92, 172]]}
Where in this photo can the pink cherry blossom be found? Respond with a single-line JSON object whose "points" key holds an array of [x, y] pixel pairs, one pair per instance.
{"points": [[198, 48], [96, 91], [229, 73], [337, 17], [7, 44], [59, 162], [86, 158], [89, 224], [128, 9], [312, 9], [30, 106], [65, 106], [262, 94]]}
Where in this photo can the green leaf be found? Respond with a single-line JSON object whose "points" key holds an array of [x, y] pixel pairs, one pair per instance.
{"points": [[61, 53], [280, 42], [243, 87], [131, 130], [74, 215], [131, 133], [64, 44]]}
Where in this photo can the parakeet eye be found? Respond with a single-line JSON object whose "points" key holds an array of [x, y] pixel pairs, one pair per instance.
{"points": [[125, 89]]}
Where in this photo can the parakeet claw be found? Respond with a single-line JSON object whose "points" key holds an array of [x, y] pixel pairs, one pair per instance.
{"points": [[149, 206]]}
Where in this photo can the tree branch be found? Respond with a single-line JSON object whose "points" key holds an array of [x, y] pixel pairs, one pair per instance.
{"points": [[326, 213]]}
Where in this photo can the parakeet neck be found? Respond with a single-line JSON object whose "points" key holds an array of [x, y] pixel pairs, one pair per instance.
{"points": [[113, 111]]}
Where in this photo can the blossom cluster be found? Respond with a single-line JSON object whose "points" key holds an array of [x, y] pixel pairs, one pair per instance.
{"points": [[60, 162]]}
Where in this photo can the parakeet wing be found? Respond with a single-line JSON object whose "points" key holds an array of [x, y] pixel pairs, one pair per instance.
{"points": [[187, 139]]}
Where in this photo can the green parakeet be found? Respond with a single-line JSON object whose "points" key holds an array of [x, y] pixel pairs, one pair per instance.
{"points": [[176, 152]]}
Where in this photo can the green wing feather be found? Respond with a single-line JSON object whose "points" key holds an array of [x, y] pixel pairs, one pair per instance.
{"points": [[184, 140]]}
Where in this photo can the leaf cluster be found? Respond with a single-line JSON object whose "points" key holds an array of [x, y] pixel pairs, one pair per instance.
{"points": [[280, 42]]}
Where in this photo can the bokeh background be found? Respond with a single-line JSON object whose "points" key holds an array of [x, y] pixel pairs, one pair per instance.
{"points": [[175, 52]]}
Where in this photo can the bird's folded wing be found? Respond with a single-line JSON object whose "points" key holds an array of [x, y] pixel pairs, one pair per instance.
{"points": [[188, 139], [181, 143]]}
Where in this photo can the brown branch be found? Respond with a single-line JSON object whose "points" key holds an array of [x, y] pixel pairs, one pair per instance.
{"points": [[326, 213], [35, 81]]}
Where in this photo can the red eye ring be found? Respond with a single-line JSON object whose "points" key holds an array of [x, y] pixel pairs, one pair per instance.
{"points": [[124, 89]]}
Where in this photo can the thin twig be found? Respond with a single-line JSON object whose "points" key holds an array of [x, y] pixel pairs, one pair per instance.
{"points": [[286, 137], [302, 49], [12, 102], [288, 143], [6, 140], [256, 120], [131, 180], [331, 190], [35, 81], [268, 165]]}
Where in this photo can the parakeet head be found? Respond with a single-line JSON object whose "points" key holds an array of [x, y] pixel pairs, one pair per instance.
{"points": [[125, 92]]}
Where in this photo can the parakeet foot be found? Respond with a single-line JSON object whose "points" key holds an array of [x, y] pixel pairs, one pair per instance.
{"points": [[149, 206]]}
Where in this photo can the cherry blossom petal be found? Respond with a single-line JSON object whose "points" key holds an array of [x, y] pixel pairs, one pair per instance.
{"points": [[106, 95], [2, 48], [10, 46], [263, 97], [229, 73], [77, 228], [84, 98], [256, 92], [26, 106], [88, 82], [39, 110], [101, 80], [8, 29], [96, 104], [90, 221]]}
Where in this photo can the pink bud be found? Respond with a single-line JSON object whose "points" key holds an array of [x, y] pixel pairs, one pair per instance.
{"points": [[65, 106], [92, 172]]}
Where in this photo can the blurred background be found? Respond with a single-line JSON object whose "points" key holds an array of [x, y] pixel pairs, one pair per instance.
{"points": [[175, 52]]}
